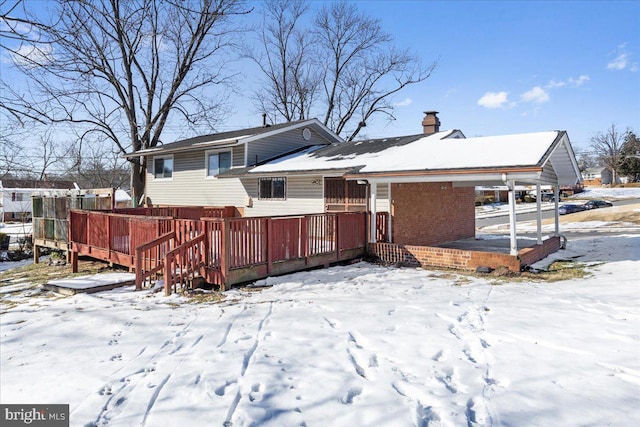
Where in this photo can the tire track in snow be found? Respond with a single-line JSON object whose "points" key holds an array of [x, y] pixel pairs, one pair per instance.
{"points": [[246, 361]]}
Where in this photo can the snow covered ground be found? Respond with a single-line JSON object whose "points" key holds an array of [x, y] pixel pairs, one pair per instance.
{"points": [[609, 193], [360, 345]]}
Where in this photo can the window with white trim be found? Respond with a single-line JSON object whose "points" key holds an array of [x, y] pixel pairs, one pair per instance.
{"points": [[218, 162], [272, 188], [163, 167]]}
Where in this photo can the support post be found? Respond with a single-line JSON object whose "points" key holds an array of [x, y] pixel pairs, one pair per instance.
{"points": [[374, 212], [538, 214], [389, 221], [556, 200], [512, 218]]}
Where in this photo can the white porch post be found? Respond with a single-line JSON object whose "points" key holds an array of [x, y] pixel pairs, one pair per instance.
{"points": [[372, 232], [539, 213], [512, 217], [556, 199], [389, 222]]}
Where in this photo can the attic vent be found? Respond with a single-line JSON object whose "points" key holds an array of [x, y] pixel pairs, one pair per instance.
{"points": [[306, 134]]}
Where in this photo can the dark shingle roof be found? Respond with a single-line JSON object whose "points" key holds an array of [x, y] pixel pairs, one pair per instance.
{"points": [[336, 151], [225, 135], [32, 183], [364, 146]]}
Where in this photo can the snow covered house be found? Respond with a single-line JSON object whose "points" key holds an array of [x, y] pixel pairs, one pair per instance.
{"points": [[15, 196], [426, 182]]}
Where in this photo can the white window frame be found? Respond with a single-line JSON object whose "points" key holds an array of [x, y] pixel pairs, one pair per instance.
{"points": [[216, 152], [173, 168], [277, 199]]}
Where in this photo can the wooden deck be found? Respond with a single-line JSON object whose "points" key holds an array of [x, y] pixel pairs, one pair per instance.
{"points": [[223, 251]]}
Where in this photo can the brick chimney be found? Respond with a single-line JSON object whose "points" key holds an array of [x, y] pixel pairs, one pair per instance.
{"points": [[431, 122]]}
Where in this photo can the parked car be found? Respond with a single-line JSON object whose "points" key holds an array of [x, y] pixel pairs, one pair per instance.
{"points": [[567, 209], [595, 204]]}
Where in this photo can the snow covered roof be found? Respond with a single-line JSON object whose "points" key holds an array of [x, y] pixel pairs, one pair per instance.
{"points": [[545, 156]]}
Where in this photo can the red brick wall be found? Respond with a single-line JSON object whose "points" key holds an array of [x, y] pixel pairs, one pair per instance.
{"points": [[535, 253], [424, 256], [432, 213]]}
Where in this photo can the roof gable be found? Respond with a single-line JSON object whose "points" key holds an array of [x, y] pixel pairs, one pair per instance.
{"points": [[236, 137]]}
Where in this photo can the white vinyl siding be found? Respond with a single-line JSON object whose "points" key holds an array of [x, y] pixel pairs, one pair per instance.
{"points": [[189, 187], [304, 196], [274, 146]]}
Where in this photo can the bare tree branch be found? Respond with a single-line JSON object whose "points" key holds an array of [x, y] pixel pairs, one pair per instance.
{"points": [[608, 147], [122, 68], [346, 72]]}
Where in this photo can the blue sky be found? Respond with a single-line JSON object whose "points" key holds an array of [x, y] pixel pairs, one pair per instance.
{"points": [[507, 66], [510, 67], [515, 66]]}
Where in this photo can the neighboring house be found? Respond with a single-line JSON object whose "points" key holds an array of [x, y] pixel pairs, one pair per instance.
{"points": [[426, 181], [598, 176], [15, 200], [592, 176]]}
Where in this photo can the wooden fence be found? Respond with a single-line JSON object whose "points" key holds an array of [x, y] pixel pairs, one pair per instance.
{"points": [[50, 215]]}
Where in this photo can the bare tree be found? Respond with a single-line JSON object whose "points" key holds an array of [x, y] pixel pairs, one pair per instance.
{"points": [[291, 80], [123, 69], [586, 160], [97, 166], [608, 147], [360, 68], [11, 160], [15, 31]]}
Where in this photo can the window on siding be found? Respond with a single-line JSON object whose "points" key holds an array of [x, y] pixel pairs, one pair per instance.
{"points": [[18, 197], [163, 167], [272, 189], [218, 162]]}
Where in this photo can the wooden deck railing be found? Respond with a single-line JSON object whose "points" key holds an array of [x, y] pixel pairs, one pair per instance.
{"points": [[223, 251], [181, 212], [112, 237], [242, 249], [185, 263], [150, 258]]}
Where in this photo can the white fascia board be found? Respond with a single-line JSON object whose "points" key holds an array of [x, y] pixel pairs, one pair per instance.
{"points": [[482, 178], [221, 143]]}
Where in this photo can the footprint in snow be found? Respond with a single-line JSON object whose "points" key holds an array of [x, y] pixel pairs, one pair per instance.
{"points": [[351, 395], [256, 392]]}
